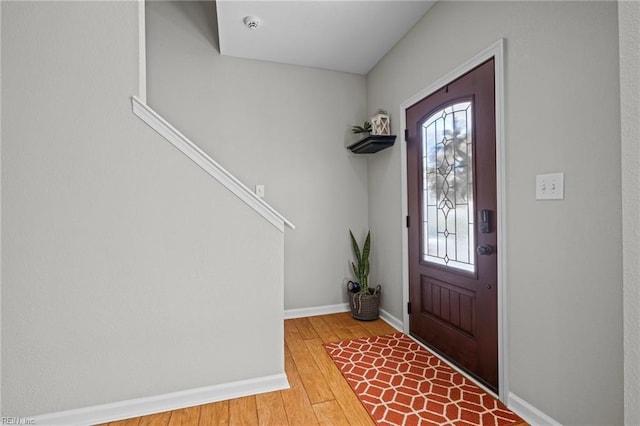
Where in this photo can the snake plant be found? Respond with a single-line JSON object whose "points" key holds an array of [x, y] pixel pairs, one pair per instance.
{"points": [[361, 269]]}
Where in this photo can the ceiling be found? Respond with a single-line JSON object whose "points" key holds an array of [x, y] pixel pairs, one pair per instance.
{"points": [[349, 36]]}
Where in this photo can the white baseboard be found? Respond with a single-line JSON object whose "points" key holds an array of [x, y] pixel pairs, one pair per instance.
{"points": [[528, 412], [391, 320], [159, 403], [316, 310], [334, 309]]}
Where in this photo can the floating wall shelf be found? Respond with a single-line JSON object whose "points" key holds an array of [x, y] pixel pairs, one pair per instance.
{"points": [[371, 144]]}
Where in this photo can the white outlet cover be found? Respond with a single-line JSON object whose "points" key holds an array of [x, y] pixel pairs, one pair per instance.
{"points": [[550, 186], [260, 191]]}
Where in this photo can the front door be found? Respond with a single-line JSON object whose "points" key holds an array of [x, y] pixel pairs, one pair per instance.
{"points": [[451, 166]]}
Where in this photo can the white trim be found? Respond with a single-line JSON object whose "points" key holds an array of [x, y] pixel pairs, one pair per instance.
{"points": [[142, 52], [334, 309], [528, 412], [496, 51], [316, 310], [171, 401], [501, 176], [391, 320], [188, 148]]}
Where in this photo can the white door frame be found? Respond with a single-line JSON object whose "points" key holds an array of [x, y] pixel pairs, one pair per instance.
{"points": [[496, 51]]}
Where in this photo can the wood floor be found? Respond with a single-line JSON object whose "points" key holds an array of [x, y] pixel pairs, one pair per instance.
{"points": [[319, 395]]}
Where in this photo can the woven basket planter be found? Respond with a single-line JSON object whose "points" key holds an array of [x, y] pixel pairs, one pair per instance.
{"points": [[365, 307]]}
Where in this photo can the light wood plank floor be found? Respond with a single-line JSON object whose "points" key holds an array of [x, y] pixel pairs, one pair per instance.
{"points": [[319, 395]]}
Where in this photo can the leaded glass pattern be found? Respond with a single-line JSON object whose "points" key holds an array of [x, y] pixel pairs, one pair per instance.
{"points": [[447, 215]]}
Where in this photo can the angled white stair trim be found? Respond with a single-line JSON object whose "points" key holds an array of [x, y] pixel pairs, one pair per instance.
{"points": [[191, 150], [138, 407]]}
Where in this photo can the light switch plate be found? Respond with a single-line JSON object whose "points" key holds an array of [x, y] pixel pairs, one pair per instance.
{"points": [[550, 186], [260, 191]]}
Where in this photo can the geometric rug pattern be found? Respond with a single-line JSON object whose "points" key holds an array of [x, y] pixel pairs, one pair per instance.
{"points": [[401, 383]]}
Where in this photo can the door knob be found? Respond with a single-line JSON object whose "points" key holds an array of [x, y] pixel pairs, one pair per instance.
{"points": [[485, 250]]}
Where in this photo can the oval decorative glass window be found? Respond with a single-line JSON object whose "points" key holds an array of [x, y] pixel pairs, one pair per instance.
{"points": [[447, 187]]}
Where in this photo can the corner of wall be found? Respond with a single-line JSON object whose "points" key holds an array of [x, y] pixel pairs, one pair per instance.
{"points": [[629, 45], [0, 211], [142, 52]]}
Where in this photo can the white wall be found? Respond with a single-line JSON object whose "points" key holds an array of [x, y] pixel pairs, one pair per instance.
{"points": [[564, 258], [279, 125], [629, 27], [126, 270]]}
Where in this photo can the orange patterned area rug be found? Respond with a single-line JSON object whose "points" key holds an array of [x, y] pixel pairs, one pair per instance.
{"points": [[401, 383]]}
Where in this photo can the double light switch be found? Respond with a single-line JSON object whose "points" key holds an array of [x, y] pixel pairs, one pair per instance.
{"points": [[550, 186]]}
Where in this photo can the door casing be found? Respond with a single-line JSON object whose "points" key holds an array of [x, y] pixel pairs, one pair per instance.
{"points": [[496, 50]]}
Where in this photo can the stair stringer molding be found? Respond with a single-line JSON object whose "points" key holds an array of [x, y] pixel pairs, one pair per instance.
{"points": [[206, 163]]}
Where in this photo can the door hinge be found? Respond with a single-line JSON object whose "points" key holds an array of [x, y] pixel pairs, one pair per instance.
{"points": [[407, 221], [409, 308], [406, 135]]}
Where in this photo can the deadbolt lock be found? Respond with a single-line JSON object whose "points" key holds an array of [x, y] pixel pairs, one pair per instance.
{"points": [[485, 250]]}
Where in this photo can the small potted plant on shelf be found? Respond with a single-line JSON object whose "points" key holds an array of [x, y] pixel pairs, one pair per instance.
{"points": [[363, 301], [365, 128]]}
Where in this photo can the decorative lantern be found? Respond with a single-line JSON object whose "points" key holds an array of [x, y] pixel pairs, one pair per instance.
{"points": [[380, 124]]}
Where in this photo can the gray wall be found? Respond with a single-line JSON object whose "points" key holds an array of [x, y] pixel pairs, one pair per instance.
{"points": [[0, 213], [116, 255], [564, 258], [125, 267], [629, 27], [279, 125]]}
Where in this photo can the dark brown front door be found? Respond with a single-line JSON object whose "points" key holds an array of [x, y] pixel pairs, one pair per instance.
{"points": [[451, 166]]}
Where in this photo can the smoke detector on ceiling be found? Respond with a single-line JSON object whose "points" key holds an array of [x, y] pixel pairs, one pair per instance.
{"points": [[252, 22]]}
